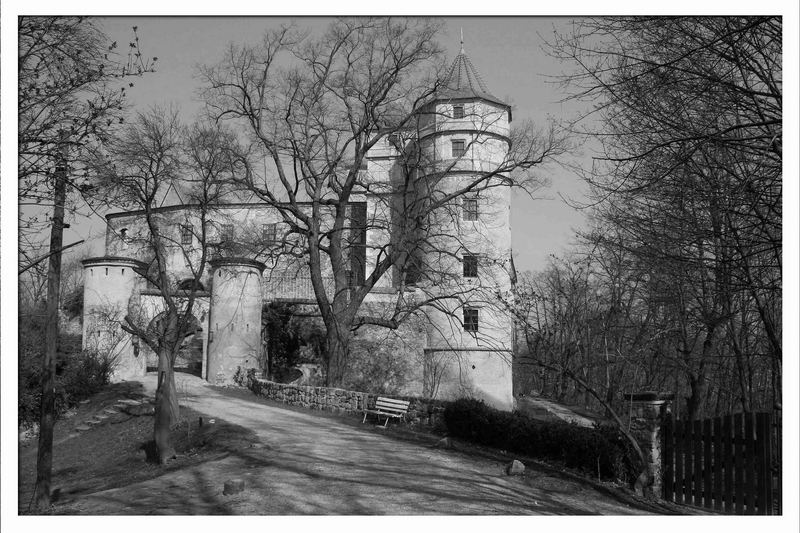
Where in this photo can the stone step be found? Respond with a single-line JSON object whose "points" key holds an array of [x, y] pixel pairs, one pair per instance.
{"points": [[129, 401], [93, 422], [82, 428], [110, 411], [100, 417]]}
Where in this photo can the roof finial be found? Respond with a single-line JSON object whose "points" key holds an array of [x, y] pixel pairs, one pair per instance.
{"points": [[462, 40]]}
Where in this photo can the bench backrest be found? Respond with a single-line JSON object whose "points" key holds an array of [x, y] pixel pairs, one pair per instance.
{"points": [[391, 405]]}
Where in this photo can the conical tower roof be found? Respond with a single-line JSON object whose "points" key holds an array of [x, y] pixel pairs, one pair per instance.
{"points": [[463, 81]]}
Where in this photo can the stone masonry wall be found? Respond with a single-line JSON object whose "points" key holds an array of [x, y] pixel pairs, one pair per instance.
{"points": [[421, 411], [647, 412]]}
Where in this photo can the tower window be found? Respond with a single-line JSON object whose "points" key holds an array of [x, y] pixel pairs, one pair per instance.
{"points": [[226, 232], [269, 233], [459, 148], [470, 320], [394, 140], [458, 111], [470, 211], [186, 235], [470, 266]]}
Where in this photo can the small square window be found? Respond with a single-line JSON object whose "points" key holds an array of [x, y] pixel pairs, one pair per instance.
{"points": [[458, 111], [394, 140], [186, 235], [226, 232], [470, 266], [470, 211], [459, 148], [471, 320], [269, 233]]}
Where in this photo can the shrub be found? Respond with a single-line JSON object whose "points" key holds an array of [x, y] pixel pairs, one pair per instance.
{"points": [[79, 375], [244, 377], [589, 450]]}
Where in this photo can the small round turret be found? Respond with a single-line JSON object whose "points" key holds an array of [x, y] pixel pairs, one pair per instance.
{"points": [[234, 338], [109, 283]]}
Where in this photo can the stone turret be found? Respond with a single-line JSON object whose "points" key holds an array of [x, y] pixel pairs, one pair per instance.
{"points": [[234, 338], [109, 283]]}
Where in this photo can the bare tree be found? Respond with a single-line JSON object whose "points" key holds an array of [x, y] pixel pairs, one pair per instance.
{"points": [[315, 108], [152, 158], [65, 66], [688, 114]]}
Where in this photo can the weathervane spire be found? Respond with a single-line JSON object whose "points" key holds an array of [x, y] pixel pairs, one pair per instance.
{"points": [[462, 40]]}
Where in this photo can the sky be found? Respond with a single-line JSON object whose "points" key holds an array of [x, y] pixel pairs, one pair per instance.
{"points": [[506, 51]]}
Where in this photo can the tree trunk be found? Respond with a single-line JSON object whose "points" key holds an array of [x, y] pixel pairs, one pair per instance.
{"points": [[166, 411], [44, 461], [337, 359], [698, 381]]}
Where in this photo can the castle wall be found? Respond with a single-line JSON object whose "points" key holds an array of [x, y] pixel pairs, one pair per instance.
{"points": [[482, 374]]}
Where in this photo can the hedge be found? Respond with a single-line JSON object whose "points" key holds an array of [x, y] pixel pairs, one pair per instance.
{"points": [[600, 450]]}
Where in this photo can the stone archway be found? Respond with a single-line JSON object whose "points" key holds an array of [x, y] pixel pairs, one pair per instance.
{"points": [[190, 354]]}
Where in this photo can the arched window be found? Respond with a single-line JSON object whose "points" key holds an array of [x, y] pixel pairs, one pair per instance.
{"points": [[190, 284]]}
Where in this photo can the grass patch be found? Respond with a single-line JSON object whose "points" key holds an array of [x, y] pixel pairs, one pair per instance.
{"points": [[113, 455]]}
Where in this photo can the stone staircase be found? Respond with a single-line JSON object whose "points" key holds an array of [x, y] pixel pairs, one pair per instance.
{"points": [[125, 406]]}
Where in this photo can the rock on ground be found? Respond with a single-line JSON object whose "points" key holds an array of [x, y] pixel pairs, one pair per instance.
{"points": [[515, 468]]}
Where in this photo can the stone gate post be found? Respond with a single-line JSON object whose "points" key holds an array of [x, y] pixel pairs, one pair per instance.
{"points": [[648, 411]]}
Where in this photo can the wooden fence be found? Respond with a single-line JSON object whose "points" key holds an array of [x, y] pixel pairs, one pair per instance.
{"points": [[724, 464]]}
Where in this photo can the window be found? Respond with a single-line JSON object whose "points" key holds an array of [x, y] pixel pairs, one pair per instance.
{"points": [[394, 140], [186, 235], [470, 211], [458, 148], [470, 266], [226, 232], [269, 233], [458, 111], [190, 284], [470, 320]]}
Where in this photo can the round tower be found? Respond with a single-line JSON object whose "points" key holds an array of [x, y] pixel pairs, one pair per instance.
{"points": [[109, 283], [463, 137], [234, 338]]}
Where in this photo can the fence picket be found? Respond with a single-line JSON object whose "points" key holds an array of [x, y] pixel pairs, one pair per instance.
{"points": [[762, 469], [738, 441], [668, 457], [688, 461], [707, 491], [750, 463], [719, 459], [768, 466], [697, 453], [678, 485], [727, 430]]}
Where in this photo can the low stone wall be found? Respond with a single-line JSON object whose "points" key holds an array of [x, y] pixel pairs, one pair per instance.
{"points": [[421, 411]]}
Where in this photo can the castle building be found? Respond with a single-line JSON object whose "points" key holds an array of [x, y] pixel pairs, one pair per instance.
{"points": [[466, 339]]}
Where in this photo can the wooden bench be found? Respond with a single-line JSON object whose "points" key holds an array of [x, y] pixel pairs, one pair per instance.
{"points": [[389, 408]]}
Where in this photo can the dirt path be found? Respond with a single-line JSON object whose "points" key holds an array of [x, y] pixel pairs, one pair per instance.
{"points": [[309, 464]]}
